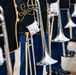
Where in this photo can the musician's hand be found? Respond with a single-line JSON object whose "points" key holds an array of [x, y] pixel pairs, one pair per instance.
{"points": [[33, 28], [1, 57], [54, 8]]}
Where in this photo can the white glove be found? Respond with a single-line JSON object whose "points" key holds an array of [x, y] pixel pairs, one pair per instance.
{"points": [[33, 28], [54, 8], [71, 45], [1, 57]]}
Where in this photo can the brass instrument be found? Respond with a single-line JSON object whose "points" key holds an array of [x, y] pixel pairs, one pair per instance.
{"points": [[26, 54], [46, 60], [48, 24], [73, 15], [70, 22], [28, 45], [60, 35], [6, 46], [50, 29], [32, 5]]}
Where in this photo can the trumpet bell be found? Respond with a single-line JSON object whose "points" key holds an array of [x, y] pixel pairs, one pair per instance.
{"points": [[60, 38], [46, 60], [70, 24]]}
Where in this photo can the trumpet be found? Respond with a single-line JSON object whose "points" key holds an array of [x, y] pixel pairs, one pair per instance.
{"points": [[70, 22], [50, 30], [6, 46], [29, 43], [60, 35], [46, 60]]}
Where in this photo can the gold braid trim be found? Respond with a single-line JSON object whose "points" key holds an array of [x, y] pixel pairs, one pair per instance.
{"points": [[14, 1], [24, 11]]}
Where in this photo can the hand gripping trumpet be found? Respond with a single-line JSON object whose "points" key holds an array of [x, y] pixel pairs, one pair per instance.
{"points": [[6, 46]]}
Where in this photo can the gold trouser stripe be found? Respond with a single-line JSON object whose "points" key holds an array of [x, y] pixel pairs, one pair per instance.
{"points": [[70, 33]]}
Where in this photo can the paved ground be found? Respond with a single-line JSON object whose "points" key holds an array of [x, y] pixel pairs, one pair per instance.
{"points": [[69, 64], [74, 73]]}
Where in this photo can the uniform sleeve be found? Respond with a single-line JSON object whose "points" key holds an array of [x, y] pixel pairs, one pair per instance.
{"points": [[9, 15], [72, 1], [51, 1], [64, 4], [3, 3], [25, 19]]}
